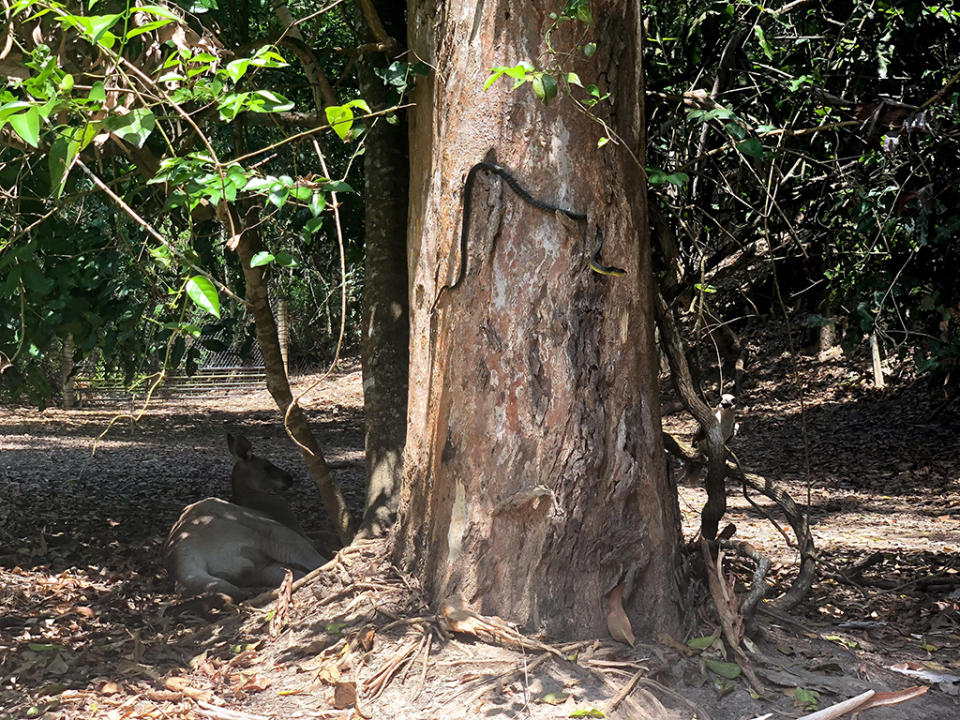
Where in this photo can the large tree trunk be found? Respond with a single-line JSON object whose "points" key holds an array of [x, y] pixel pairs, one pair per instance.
{"points": [[385, 341], [535, 478]]}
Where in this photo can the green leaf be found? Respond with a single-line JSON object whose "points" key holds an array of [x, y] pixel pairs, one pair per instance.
{"points": [[602, 141], [266, 101], [95, 28], [63, 151], [34, 279], [41, 647], [866, 322], [261, 258], [518, 72], [145, 28], [702, 643], [495, 74], [268, 57], [340, 118], [256, 184], [728, 670], [97, 93], [231, 104], [204, 294], [312, 225], [658, 176], [236, 68], [157, 10], [134, 127], [317, 203], [286, 259], [278, 196], [702, 116], [553, 698], [335, 628], [27, 126], [162, 255], [12, 282], [578, 10], [761, 36], [301, 193], [336, 186], [589, 49], [359, 103], [172, 77], [799, 82], [591, 713], [574, 79], [751, 148], [806, 699], [545, 87], [735, 131]]}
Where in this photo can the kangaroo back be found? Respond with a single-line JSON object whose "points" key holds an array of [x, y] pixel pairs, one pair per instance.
{"points": [[218, 546]]}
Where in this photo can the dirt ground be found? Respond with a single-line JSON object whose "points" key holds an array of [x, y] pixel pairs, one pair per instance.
{"points": [[89, 627]]}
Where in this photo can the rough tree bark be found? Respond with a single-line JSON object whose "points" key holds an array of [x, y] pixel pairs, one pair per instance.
{"points": [[535, 479], [384, 349]]}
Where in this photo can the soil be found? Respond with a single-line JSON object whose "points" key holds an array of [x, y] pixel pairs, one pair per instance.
{"points": [[89, 627]]}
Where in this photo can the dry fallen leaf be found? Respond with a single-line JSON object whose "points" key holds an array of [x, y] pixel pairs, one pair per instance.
{"points": [[179, 684], [243, 682], [329, 674], [366, 640], [344, 695], [618, 624]]}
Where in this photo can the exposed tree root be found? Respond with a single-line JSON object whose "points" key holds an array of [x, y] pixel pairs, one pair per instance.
{"points": [[748, 604], [404, 656], [798, 519], [728, 610]]}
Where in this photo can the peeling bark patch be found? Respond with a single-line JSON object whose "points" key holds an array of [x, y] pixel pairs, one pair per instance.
{"points": [[449, 451], [493, 339], [540, 386], [458, 523], [482, 374]]}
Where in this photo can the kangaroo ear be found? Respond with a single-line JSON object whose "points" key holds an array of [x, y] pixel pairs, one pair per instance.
{"points": [[239, 446]]}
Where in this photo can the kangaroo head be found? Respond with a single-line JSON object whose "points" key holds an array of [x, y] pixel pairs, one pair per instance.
{"points": [[254, 473]]}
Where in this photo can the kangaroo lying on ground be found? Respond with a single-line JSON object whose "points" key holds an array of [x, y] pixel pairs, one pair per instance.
{"points": [[239, 548]]}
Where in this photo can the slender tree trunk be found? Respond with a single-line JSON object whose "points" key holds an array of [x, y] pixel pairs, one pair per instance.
{"points": [[535, 479], [247, 244], [384, 349], [876, 361], [67, 384], [283, 333]]}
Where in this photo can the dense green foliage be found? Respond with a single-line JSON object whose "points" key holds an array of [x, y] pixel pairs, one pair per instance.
{"points": [[822, 136], [801, 157], [123, 148]]}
